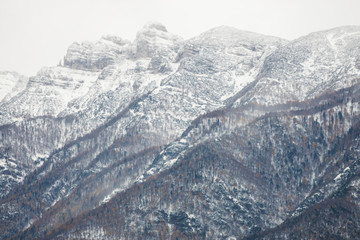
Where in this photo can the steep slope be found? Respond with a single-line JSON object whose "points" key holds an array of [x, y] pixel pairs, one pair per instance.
{"points": [[133, 106], [11, 83], [48, 93], [240, 183], [94, 56], [308, 66], [330, 212]]}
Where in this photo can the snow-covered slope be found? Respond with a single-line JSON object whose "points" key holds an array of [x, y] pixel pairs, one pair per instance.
{"points": [[94, 56], [48, 93], [11, 83], [309, 66], [239, 184]]}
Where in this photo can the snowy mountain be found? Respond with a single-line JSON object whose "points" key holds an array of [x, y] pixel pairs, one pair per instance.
{"points": [[230, 134]]}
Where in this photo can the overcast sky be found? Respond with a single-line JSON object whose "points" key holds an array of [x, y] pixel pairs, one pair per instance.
{"points": [[37, 33]]}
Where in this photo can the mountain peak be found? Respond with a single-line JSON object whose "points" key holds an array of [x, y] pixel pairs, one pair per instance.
{"points": [[115, 39], [227, 36], [345, 29], [332, 35], [154, 39], [156, 26], [223, 28]]}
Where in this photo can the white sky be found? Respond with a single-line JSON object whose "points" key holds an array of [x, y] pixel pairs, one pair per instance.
{"points": [[36, 33]]}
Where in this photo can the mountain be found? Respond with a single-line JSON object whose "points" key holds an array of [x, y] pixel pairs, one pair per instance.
{"points": [[228, 135]]}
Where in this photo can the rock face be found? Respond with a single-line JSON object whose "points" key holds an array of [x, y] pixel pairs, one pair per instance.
{"points": [[154, 40], [94, 56], [228, 135]]}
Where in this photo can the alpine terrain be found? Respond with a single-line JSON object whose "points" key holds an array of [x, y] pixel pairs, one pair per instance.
{"points": [[227, 135]]}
